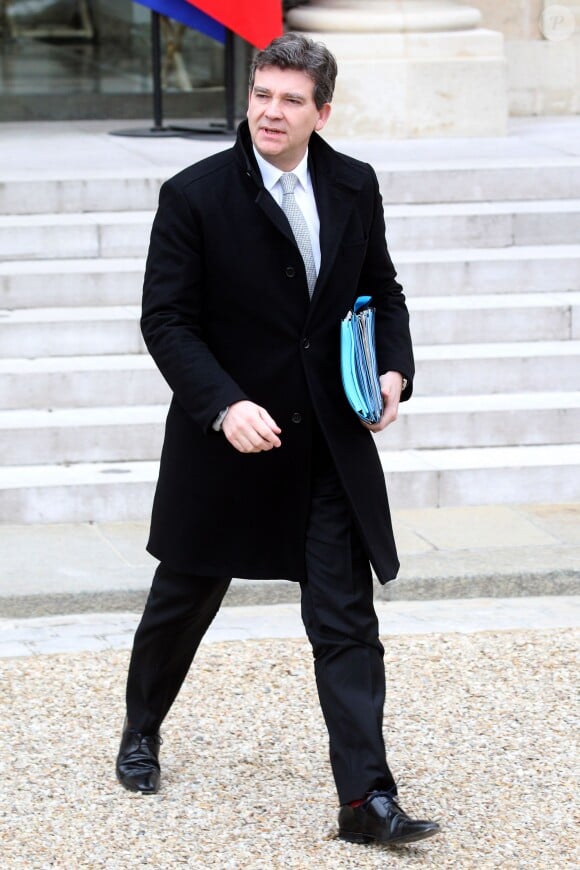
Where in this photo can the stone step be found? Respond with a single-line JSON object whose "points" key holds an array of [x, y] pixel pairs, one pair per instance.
{"points": [[502, 475], [35, 332], [33, 437], [70, 283], [430, 182], [92, 234], [483, 224], [424, 181], [415, 227], [71, 192], [83, 492], [132, 379], [497, 420], [83, 381], [459, 271], [122, 491], [465, 271], [64, 435], [466, 369], [494, 318], [40, 332]]}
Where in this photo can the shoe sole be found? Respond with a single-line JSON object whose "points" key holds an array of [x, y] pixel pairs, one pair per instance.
{"points": [[368, 839]]}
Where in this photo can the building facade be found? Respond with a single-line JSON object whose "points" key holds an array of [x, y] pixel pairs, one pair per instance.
{"points": [[439, 67]]}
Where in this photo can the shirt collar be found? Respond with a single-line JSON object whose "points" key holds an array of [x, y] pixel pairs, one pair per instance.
{"points": [[271, 174]]}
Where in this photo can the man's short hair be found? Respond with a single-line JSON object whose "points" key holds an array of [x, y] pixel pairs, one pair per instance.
{"points": [[294, 51]]}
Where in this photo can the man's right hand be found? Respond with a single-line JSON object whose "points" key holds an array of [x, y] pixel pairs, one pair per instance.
{"points": [[250, 429]]}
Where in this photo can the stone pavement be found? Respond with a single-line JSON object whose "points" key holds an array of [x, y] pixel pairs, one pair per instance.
{"points": [[81, 587], [86, 146], [469, 552], [101, 631]]}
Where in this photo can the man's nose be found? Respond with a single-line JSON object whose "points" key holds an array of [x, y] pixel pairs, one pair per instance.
{"points": [[274, 109]]}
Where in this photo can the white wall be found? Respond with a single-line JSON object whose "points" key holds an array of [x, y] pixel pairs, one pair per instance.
{"points": [[542, 50]]}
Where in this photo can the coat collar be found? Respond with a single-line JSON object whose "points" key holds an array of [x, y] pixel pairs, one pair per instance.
{"points": [[247, 160], [336, 180]]}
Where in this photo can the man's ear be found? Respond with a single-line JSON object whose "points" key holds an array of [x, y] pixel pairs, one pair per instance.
{"points": [[323, 116]]}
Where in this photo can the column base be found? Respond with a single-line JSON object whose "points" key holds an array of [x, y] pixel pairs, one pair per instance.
{"points": [[407, 85], [384, 16]]}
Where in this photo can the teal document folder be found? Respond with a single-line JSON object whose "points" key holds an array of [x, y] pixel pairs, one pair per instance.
{"points": [[358, 361]]}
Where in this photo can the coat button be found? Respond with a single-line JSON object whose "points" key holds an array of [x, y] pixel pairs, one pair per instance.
{"points": [[290, 271], [296, 417], [306, 343]]}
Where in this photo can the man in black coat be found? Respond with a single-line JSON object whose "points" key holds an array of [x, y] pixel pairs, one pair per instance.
{"points": [[256, 255]]}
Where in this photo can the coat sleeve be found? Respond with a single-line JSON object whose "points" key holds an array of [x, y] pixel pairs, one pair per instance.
{"points": [[172, 313], [378, 279]]}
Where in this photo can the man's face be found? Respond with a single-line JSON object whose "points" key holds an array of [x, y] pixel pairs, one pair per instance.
{"points": [[282, 115]]}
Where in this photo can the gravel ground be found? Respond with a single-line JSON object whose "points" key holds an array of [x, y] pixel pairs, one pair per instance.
{"points": [[479, 728]]}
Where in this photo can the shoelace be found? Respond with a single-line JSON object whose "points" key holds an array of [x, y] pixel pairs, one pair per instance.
{"points": [[136, 756], [386, 794]]}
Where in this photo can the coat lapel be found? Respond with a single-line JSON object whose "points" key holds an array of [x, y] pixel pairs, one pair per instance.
{"points": [[336, 187], [272, 210]]}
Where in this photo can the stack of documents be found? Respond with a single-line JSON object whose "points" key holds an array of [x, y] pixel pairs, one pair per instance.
{"points": [[358, 361]]}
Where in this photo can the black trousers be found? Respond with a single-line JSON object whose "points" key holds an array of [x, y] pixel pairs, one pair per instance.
{"points": [[340, 621]]}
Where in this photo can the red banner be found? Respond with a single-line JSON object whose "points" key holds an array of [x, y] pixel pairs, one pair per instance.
{"points": [[257, 21]]}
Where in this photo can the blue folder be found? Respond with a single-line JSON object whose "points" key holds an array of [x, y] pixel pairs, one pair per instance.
{"points": [[358, 361]]}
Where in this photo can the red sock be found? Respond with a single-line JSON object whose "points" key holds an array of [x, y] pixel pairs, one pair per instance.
{"points": [[356, 804]]}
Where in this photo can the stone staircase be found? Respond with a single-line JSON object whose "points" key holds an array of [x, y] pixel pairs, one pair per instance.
{"points": [[490, 259]]}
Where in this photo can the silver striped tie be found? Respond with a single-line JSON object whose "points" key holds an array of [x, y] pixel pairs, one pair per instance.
{"points": [[299, 226]]}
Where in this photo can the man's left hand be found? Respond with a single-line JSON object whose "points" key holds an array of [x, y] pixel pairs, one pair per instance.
{"points": [[391, 388]]}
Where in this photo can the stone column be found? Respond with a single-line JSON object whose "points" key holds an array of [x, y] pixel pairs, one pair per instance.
{"points": [[410, 68]]}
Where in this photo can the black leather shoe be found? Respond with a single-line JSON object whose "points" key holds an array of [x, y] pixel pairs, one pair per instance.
{"points": [[381, 819], [138, 762]]}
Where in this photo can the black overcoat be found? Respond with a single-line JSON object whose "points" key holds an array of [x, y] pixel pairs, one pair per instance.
{"points": [[227, 316]]}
